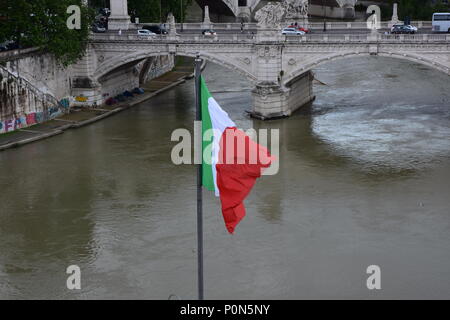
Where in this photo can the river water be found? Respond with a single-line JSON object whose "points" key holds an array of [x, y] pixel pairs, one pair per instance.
{"points": [[364, 180]]}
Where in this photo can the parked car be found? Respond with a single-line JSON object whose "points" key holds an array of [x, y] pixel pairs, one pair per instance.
{"points": [[98, 28], [403, 29], [145, 33], [292, 31], [156, 29], [209, 32], [3, 47]]}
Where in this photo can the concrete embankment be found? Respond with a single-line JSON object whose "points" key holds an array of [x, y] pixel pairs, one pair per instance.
{"points": [[81, 116]]}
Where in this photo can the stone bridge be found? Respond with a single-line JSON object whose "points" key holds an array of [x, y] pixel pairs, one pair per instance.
{"points": [[278, 66]]}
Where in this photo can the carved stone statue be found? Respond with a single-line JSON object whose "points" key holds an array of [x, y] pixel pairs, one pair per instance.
{"points": [[273, 15], [171, 23], [296, 9]]}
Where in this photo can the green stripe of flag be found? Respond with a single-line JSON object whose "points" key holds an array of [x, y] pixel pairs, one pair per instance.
{"points": [[207, 179]]}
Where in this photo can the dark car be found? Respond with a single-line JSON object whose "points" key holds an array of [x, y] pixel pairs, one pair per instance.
{"points": [[155, 29], [403, 29], [3, 47]]}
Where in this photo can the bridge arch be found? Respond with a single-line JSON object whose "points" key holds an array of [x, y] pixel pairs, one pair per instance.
{"points": [[299, 71], [111, 64]]}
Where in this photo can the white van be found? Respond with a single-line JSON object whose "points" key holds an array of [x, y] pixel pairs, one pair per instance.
{"points": [[441, 22]]}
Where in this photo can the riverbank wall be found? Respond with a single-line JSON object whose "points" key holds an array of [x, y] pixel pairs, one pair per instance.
{"points": [[35, 89], [23, 104], [78, 117]]}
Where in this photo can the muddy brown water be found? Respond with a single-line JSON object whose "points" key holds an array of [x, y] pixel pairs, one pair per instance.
{"points": [[364, 180]]}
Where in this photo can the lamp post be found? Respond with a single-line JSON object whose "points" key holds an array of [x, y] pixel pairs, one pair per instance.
{"points": [[324, 11]]}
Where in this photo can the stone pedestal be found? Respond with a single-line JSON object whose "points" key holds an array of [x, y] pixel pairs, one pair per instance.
{"points": [[269, 101], [119, 18], [373, 36], [244, 14], [394, 19], [206, 20], [172, 27]]}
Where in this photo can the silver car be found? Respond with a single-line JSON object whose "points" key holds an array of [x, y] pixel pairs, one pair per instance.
{"points": [[145, 33], [406, 28], [292, 31]]}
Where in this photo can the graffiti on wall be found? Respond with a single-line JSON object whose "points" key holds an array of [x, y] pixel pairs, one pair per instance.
{"points": [[34, 117], [22, 122]]}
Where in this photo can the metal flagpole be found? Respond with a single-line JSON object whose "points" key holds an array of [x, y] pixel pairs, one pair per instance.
{"points": [[198, 71]]}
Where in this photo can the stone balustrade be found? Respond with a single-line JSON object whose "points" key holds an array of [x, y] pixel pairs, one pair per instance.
{"points": [[252, 38]]}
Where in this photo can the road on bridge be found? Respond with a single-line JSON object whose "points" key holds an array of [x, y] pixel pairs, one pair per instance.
{"points": [[254, 31]]}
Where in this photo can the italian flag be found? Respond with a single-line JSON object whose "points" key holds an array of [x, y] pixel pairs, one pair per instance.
{"points": [[231, 160]]}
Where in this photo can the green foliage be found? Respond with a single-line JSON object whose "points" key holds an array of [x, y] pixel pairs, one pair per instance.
{"points": [[43, 23], [157, 10], [418, 9]]}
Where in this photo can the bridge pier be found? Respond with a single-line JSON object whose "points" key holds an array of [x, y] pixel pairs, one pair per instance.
{"points": [[272, 100], [87, 92]]}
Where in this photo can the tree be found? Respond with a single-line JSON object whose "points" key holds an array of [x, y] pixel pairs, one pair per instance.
{"points": [[419, 9], [43, 23]]}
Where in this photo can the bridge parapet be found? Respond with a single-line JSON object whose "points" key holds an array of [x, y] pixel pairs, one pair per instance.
{"points": [[331, 25], [276, 38], [355, 25]]}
